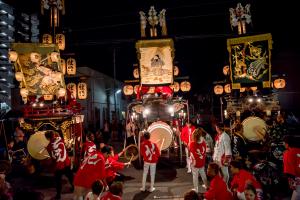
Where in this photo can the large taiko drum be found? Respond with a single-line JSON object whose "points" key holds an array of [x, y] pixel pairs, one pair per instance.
{"points": [[254, 129], [37, 144], [161, 134]]}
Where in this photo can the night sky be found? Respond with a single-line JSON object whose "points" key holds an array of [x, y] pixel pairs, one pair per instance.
{"points": [[199, 29]]}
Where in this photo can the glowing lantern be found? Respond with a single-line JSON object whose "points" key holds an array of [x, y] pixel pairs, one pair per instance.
{"points": [[242, 89], [60, 41], [55, 57], [71, 66], [136, 73], [12, 56], [24, 92], [72, 88], [226, 70], [61, 92], [279, 83], [136, 89], [82, 90], [128, 90], [48, 97], [253, 88], [185, 86], [176, 71], [227, 88], [19, 76], [218, 89], [176, 87], [47, 39], [35, 57], [63, 66]]}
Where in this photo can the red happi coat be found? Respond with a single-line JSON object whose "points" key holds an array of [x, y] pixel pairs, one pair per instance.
{"points": [[91, 169], [88, 147], [110, 196], [58, 152], [149, 151], [241, 179], [218, 190], [291, 161], [198, 153], [112, 166], [186, 134]]}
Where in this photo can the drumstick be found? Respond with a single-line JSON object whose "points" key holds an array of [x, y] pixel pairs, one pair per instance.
{"points": [[41, 151], [130, 159], [162, 144]]}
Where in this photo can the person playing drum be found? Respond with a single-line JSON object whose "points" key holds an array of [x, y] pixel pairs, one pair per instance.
{"points": [[186, 138], [150, 153], [222, 150]]}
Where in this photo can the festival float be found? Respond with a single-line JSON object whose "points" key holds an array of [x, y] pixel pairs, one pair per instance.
{"points": [[49, 104], [251, 106], [155, 107]]}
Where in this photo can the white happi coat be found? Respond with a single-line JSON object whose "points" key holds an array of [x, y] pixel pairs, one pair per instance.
{"points": [[222, 148]]}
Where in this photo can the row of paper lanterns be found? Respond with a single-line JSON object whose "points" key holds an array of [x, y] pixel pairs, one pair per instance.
{"points": [[279, 83], [136, 73], [78, 91], [60, 40], [184, 86]]}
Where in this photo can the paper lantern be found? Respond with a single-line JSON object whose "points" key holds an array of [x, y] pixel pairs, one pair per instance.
{"points": [[48, 97], [72, 88], [55, 57], [242, 89], [136, 89], [218, 89], [226, 70], [238, 113], [82, 90], [47, 39], [12, 56], [63, 66], [253, 88], [128, 90], [227, 88], [176, 87], [279, 83], [19, 76], [35, 57], [60, 41], [136, 73], [24, 92], [185, 86], [268, 112], [71, 66], [176, 71], [61, 92]]}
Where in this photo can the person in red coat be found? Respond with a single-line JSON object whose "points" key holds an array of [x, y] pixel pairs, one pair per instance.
{"points": [[186, 138], [115, 192], [198, 151], [150, 154], [218, 188], [89, 145], [291, 164], [241, 178], [58, 152], [91, 169]]}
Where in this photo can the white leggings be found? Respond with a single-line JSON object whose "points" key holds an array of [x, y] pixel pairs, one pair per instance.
{"points": [[152, 174], [225, 173], [188, 159], [196, 172]]}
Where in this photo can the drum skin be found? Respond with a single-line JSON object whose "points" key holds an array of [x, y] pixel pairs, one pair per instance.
{"points": [[37, 144], [254, 129], [161, 134]]}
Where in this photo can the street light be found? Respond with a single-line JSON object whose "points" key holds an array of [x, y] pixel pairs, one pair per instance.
{"points": [[115, 98]]}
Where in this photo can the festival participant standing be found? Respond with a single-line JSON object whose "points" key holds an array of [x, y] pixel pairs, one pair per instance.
{"points": [[186, 138], [91, 169], [89, 145], [58, 152], [218, 188], [222, 150], [291, 165], [240, 180], [198, 150], [150, 153]]}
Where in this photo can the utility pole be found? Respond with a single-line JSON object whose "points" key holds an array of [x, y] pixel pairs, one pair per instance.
{"points": [[114, 88]]}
